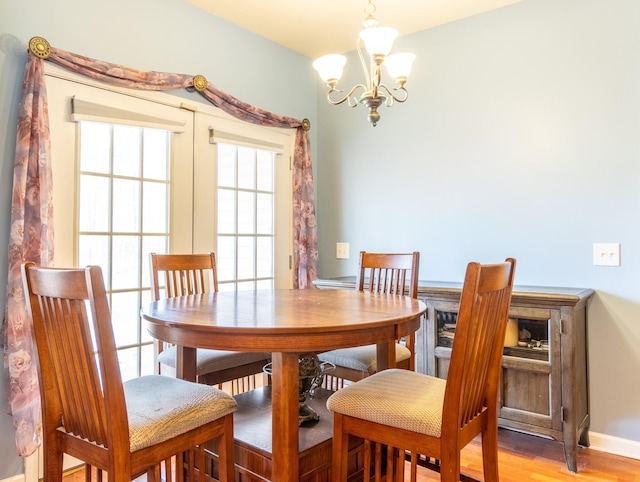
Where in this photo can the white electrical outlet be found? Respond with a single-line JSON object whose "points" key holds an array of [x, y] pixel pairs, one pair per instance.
{"points": [[606, 254], [342, 250]]}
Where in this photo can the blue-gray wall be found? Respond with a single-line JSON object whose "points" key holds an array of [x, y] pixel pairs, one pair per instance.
{"points": [[521, 137], [161, 35]]}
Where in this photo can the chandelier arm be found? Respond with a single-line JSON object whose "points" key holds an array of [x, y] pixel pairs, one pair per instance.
{"points": [[393, 97], [352, 102]]}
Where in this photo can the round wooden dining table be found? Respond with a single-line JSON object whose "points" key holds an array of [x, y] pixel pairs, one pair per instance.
{"points": [[286, 323]]}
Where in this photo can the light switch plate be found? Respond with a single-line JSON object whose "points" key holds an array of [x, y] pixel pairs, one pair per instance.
{"points": [[342, 250], [606, 254]]}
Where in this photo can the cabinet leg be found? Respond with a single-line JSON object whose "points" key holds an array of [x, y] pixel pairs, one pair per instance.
{"points": [[584, 438], [571, 456]]}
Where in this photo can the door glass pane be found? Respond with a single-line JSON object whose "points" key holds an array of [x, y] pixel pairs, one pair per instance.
{"points": [[129, 361], [146, 354], [246, 220], [94, 208], [151, 244], [226, 258], [226, 211], [246, 257], [246, 212], [264, 214], [122, 218], [265, 170], [155, 156], [226, 165], [94, 250], [246, 168], [155, 207], [95, 149], [126, 205], [145, 337], [125, 264], [264, 257], [127, 143], [125, 308]]}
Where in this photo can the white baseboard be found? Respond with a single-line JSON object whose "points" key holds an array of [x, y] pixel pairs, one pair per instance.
{"points": [[614, 445]]}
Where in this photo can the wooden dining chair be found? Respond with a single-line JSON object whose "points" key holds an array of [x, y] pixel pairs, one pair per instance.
{"points": [[411, 412], [125, 429], [187, 274], [395, 274]]}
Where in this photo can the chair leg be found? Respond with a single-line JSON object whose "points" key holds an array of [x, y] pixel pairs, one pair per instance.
{"points": [[52, 460], [226, 452], [490, 453], [450, 467], [340, 451]]}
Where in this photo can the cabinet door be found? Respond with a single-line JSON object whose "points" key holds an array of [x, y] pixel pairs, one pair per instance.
{"points": [[531, 383], [530, 395], [439, 329]]}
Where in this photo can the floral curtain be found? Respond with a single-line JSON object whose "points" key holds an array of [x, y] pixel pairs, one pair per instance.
{"points": [[31, 236]]}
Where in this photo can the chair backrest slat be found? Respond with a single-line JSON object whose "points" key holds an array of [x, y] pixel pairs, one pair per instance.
{"points": [[474, 369], [387, 273], [184, 274], [76, 350]]}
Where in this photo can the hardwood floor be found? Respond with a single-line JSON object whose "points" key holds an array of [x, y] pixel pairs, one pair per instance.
{"points": [[525, 458]]}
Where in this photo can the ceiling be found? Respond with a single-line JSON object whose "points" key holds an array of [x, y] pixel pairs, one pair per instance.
{"points": [[317, 27]]}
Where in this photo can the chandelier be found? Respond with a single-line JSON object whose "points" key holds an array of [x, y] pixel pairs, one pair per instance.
{"points": [[378, 42]]}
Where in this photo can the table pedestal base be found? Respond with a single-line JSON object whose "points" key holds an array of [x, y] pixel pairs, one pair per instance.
{"points": [[252, 430]]}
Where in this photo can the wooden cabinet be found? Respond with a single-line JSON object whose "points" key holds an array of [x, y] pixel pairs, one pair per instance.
{"points": [[544, 388]]}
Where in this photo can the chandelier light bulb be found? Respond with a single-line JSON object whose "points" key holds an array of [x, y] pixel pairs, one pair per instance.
{"points": [[330, 67], [399, 65], [378, 40]]}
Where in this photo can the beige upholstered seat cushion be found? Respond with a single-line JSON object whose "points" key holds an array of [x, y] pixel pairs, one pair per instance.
{"points": [[361, 358], [396, 398], [208, 361], [160, 407]]}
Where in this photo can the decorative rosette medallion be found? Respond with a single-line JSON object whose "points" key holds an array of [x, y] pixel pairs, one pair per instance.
{"points": [[39, 47], [306, 124], [200, 83]]}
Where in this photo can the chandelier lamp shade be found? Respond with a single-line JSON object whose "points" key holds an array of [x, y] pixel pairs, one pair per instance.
{"points": [[377, 41]]}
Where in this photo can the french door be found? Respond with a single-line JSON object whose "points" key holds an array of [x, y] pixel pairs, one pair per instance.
{"points": [[137, 174]]}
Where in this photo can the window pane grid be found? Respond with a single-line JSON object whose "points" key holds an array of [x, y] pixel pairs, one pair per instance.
{"points": [[245, 212], [123, 216]]}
